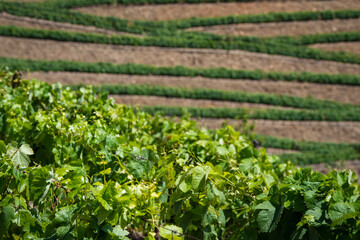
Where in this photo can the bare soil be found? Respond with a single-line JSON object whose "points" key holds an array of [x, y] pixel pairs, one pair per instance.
{"points": [[181, 11], [139, 100], [340, 93], [283, 28], [318, 131], [8, 19], [351, 47], [37, 49]]}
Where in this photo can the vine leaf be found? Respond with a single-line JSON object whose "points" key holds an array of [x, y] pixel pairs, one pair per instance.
{"points": [[119, 232], [171, 232], [199, 175], [338, 211], [269, 216], [20, 156], [6, 216]]}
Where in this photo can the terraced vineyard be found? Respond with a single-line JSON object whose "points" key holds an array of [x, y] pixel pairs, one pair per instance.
{"points": [[76, 165], [292, 67]]}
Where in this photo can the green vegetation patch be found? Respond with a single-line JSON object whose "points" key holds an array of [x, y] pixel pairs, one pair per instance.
{"points": [[290, 40], [75, 165], [138, 69], [213, 94], [269, 114]]}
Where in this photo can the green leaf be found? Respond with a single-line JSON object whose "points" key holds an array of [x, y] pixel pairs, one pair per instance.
{"points": [[2, 147], [26, 149], [222, 151], [184, 185], [344, 217], [102, 214], [199, 175], [23, 217], [299, 234], [62, 231], [337, 211], [248, 234], [209, 232], [6, 216], [316, 213], [246, 164], [64, 215], [20, 157], [269, 216], [211, 216], [105, 172], [171, 232], [119, 232], [137, 169]]}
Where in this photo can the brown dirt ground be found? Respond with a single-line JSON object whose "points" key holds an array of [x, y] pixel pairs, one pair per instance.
{"points": [[341, 93], [37, 49], [352, 47], [299, 130], [138, 100], [283, 28], [8, 19], [181, 11]]}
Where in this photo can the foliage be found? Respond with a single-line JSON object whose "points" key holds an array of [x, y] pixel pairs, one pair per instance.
{"points": [[213, 94], [290, 40], [138, 69], [285, 143], [260, 18], [269, 114], [319, 38], [76, 165]]}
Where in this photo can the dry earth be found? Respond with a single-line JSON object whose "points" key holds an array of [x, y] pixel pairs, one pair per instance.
{"points": [[318, 131], [351, 47], [181, 11], [37, 49], [283, 28], [8, 19], [139, 100], [341, 93]]}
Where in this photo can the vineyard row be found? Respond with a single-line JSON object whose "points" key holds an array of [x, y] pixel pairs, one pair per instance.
{"points": [[291, 40], [137, 69], [268, 114], [213, 94]]}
